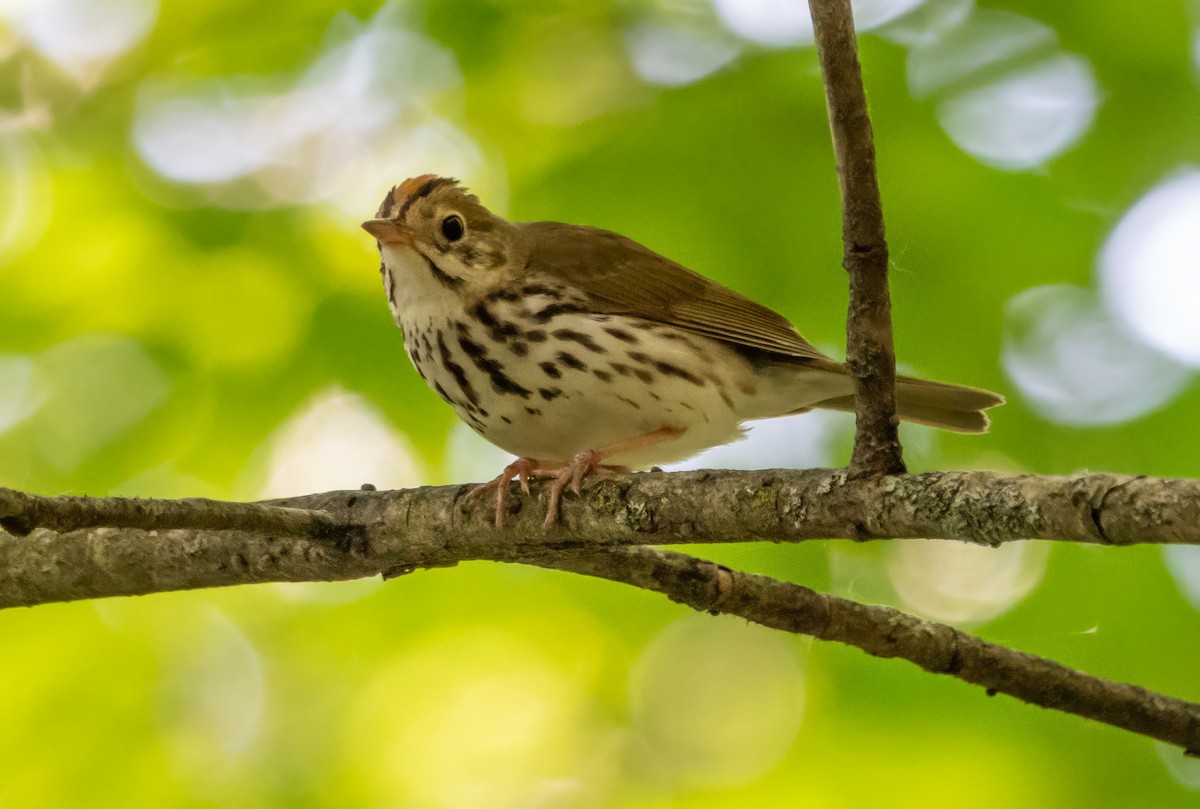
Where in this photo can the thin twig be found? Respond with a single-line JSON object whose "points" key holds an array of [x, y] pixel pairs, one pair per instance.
{"points": [[886, 632], [869, 353]]}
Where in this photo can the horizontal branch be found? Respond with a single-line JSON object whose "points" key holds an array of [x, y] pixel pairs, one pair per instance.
{"points": [[337, 535], [20, 513], [886, 632], [425, 524]]}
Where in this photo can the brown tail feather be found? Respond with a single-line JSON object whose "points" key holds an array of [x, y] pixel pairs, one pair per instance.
{"points": [[950, 407]]}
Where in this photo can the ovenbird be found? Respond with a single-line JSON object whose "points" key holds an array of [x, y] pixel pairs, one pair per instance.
{"points": [[579, 350]]}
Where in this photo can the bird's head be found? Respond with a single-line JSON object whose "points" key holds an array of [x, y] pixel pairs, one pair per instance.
{"points": [[458, 240]]}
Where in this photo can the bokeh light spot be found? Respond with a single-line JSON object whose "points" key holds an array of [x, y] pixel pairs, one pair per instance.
{"points": [[337, 441], [1007, 96], [959, 582], [17, 400], [793, 442], [201, 140], [1027, 117], [470, 456], [717, 700], [81, 36], [928, 22], [677, 54], [212, 699], [25, 196], [433, 146], [1150, 269], [774, 23], [335, 128], [982, 44], [783, 23], [1184, 563], [871, 14], [1077, 365], [1184, 768]]}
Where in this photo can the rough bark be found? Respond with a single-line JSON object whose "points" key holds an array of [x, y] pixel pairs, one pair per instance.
{"points": [[338, 535], [869, 352]]}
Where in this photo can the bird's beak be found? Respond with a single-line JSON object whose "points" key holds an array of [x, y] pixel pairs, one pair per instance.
{"points": [[387, 231]]}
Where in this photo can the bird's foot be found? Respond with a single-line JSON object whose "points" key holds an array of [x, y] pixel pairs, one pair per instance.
{"points": [[521, 470], [583, 464]]}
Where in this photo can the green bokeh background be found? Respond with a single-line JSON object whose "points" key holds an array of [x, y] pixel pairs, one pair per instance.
{"points": [[155, 335]]}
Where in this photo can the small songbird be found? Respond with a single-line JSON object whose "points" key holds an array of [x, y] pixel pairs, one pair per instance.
{"points": [[579, 350]]}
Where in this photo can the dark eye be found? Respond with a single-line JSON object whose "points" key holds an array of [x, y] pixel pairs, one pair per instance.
{"points": [[453, 227]]}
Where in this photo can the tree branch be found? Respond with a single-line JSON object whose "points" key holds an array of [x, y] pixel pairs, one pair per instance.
{"points": [[154, 545], [886, 632], [20, 513], [869, 353]]}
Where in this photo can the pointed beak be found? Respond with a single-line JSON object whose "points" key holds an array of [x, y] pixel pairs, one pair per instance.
{"points": [[387, 231]]}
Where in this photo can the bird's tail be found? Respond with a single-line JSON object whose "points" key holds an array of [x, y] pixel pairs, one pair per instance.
{"points": [[950, 407]]}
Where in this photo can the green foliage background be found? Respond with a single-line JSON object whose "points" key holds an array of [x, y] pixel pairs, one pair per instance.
{"points": [[155, 335]]}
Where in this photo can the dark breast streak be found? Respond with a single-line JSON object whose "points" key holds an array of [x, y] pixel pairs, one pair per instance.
{"points": [[468, 360], [446, 359], [389, 283], [501, 382]]}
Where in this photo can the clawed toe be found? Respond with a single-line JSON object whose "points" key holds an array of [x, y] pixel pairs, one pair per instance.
{"points": [[556, 489], [520, 470], [582, 465]]}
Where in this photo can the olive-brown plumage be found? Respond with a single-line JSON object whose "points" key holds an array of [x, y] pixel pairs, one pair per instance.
{"points": [[578, 349]]}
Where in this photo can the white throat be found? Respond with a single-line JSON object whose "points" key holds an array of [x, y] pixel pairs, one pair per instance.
{"points": [[414, 292]]}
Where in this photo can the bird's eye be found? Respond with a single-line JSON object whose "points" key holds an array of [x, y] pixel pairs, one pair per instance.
{"points": [[453, 227]]}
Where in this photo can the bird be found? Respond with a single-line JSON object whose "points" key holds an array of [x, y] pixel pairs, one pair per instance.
{"points": [[583, 352]]}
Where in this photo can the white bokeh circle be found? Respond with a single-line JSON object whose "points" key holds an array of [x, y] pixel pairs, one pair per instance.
{"points": [[1076, 364], [1150, 268]]}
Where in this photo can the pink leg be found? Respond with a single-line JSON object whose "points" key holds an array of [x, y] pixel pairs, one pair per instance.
{"points": [[589, 461], [521, 469], [586, 462]]}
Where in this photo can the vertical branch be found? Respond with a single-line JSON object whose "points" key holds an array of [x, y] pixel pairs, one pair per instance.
{"points": [[869, 353]]}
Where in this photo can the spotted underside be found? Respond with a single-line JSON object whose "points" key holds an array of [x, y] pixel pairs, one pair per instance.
{"points": [[534, 372], [540, 377]]}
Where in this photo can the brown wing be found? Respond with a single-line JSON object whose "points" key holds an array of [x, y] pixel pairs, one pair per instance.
{"points": [[623, 277]]}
